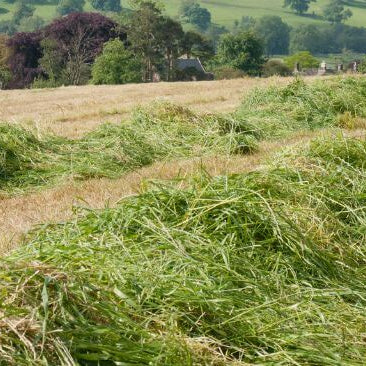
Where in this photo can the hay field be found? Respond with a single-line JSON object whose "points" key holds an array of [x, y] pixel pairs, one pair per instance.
{"points": [[209, 224], [73, 111]]}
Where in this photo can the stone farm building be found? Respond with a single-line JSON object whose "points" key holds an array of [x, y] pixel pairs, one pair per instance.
{"points": [[191, 69]]}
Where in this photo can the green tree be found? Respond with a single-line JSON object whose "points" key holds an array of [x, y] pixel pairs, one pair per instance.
{"points": [[275, 33], [144, 35], [304, 58], [196, 45], [5, 74], [158, 40], [155, 38], [243, 51], [193, 13], [171, 37], [116, 65], [107, 5], [298, 6], [312, 38], [70, 6], [52, 62], [335, 12]]}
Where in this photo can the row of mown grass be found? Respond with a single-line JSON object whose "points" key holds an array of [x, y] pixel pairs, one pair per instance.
{"points": [[165, 131], [277, 111], [160, 131], [259, 268]]}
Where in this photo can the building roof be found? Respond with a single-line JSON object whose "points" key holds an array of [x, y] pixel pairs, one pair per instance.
{"points": [[184, 63]]}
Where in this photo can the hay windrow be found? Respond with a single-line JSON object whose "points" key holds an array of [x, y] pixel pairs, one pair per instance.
{"points": [[276, 111], [160, 132], [267, 267]]}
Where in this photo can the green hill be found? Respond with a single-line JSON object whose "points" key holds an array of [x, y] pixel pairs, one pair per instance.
{"points": [[225, 12]]}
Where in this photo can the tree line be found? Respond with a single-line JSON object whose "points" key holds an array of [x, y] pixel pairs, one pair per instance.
{"points": [[137, 45], [281, 39], [81, 47]]}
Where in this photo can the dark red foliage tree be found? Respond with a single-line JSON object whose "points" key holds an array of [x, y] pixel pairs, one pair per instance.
{"points": [[79, 38], [82, 33], [23, 61]]}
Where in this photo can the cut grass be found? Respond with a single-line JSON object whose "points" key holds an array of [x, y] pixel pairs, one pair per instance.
{"points": [[20, 213], [277, 111], [259, 268], [164, 131]]}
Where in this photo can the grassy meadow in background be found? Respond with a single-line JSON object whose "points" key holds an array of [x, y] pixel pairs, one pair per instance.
{"points": [[266, 266], [225, 12]]}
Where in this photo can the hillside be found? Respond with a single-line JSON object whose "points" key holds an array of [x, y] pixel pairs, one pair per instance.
{"points": [[225, 12], [222, 239]]}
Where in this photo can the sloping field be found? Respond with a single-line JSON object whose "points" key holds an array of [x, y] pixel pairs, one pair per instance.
{"points": [[250, 251], [225, 12]]}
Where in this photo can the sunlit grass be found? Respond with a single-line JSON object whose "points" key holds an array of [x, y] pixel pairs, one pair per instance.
{"points": [[259, 268], [263, 267], [163, 131]]}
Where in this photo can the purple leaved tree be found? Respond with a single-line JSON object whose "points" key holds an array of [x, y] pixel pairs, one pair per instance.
{"points": [[79, 38], [23, 60]]}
